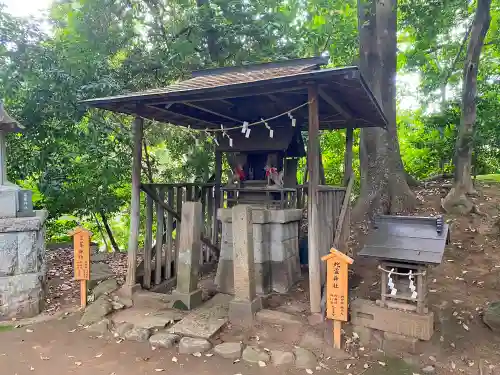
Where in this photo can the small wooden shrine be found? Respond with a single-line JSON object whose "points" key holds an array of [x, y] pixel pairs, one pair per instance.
{"points": [[258, 116]]}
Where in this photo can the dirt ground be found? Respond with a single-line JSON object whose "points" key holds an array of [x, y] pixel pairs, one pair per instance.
{"points": [[460, 289]]}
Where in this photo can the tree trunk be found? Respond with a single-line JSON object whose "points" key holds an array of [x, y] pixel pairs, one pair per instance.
{"points": [[115, 246], [383, 178], [456, 201]]}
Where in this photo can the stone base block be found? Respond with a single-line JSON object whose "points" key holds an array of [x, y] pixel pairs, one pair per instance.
{"points": [[191, 300], [387, 341], [22, 295], [224, 279], [243, 312], [368, 314]]}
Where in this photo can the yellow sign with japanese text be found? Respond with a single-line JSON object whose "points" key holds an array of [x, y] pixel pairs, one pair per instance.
{"points": [[336, 284], [81, 245]]}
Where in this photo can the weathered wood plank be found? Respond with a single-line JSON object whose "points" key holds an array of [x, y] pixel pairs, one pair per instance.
{"points": [[160, 217], [148, 243], [348, 155], [135, 203], [168, 235], [313, 228]]}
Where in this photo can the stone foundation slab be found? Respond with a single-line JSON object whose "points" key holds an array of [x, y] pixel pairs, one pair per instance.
{"points": [[368, 314]]}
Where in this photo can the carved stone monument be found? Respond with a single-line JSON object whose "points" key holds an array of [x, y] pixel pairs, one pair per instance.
{"points": [[22, 241]]}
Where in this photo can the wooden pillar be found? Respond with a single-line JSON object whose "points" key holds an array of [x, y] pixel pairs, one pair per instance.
{"points": [[348, 154], [160, 220], [133, 239], [148, 243], [217, 197], [313, 169]]}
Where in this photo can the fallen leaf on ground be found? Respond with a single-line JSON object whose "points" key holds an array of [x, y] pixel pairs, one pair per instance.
{"points": [[159, 369], [99, 355], [381, 363], [197, 354], [29, 330], [432, 358], [262, 364], [309, 371], [465, 327], [236, 361], [348, 366], [72, 330], [174, 359], [78, 363], [366, 365], [44, 358], [209, 354]]}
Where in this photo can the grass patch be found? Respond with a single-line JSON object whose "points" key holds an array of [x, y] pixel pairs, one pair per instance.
{"points": [[6, 328], [489, 177]]}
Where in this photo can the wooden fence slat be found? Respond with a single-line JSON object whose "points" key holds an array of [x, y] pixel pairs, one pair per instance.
{"points": [[168, 235], [159, 236], [148, 243]]}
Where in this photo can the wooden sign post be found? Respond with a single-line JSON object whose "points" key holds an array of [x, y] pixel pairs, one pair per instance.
{"points": [[81, 246], [336, 291]]}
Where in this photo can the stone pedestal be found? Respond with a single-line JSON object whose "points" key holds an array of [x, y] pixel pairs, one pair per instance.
{"points": [[189, 256], [275, 248], [246, 303], [22, 266]]}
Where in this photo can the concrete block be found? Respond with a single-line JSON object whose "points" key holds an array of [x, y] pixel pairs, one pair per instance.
{"points": [[22, 295], [8, 254], [285, 216], [243, 312], [224, 215], [277, 232], [8, 203], [277, 251], [224, 278], [368, 314], [263, 280], [191, 300], [395, 343], [29, 252], [23, 224], [261, 232]]}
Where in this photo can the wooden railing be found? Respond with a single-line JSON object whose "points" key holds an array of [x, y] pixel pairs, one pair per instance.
{"points": [[163, 212]]}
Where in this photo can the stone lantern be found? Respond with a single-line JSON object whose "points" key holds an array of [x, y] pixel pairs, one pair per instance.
{"points": [[22, 241]]}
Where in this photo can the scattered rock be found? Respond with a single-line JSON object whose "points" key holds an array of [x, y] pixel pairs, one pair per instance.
{"points": [[254, 354], [429, 369], [164, 340], [105, 287], [312, 340], [139, 334], [304, 358], [101, 327], [491, 316], [280, 358], [96, 311], [189, 345], [122, 328], [277, 317], [229, 350], [117, 305], [126, 301]]}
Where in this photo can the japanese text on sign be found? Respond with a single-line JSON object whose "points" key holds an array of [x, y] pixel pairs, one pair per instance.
{"points": [[81, 243], [336, 285]]}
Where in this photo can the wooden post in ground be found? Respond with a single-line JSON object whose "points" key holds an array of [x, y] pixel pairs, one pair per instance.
{"points": [[336, 291], [348, 155], [188, 266], [81, 260], [313, 169], [133, 239], [246, 303]]}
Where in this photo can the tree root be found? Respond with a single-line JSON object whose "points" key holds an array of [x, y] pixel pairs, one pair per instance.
{"points": [[456, 202]]}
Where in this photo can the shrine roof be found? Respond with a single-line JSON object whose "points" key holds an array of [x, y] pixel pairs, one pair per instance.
{"points": [[407, 239], [230, 96]]}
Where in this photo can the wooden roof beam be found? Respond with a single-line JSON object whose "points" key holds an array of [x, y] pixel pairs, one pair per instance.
{"points": [[339, 108], [213, 112], [174, 114]]}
